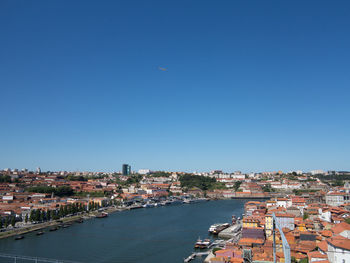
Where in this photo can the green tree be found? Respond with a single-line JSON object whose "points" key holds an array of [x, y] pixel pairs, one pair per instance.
{"points": [[237, 185], [32, 215], [53, 215], [6, 223], [37, 215], [305, 216], [61, 212], [26, 218], [1, 223], [48, 215], [65, 210], [13, 221]]}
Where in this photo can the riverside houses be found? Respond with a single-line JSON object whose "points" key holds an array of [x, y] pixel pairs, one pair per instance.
{"points": [[319, 234]]}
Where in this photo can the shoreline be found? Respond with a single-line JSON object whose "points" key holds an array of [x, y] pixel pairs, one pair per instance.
{"points": [[39, 226]]}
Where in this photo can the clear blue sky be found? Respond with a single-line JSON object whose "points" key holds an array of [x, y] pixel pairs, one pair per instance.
{"points": [[250, 85]]}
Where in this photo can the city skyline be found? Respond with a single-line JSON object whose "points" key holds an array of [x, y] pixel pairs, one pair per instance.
{"points": [[184, 86]]}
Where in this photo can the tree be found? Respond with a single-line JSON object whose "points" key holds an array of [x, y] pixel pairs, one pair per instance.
{"points": [[13, 221], [32, 215], [48, 215], [61, 212], [26, 218], [37, 215], [53, 214], [305, 216], [42, 216], [6, 223], [65, 210], [237, 185], [1, 223]]}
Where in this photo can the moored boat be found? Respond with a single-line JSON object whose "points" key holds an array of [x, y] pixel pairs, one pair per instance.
{"points": [[219, 228], [202, 243], [39, 233], [19, 237], [213, 226], [102, 215]]}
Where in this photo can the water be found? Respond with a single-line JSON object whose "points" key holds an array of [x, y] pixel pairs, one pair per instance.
{"points": [[162, 234]]}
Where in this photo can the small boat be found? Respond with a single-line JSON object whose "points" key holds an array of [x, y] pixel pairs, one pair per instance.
{"points": [[102, 215], [202, 243], [19, 237], [53, 229], [212, 227], [80, 220], [221, 227], [39, 233], [66, 225]]}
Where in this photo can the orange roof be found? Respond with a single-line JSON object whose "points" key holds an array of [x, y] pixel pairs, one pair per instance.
{"points": [[249, 241], [323, 245], [316, 254], [326, 233], [338, 228], [340, 242]]}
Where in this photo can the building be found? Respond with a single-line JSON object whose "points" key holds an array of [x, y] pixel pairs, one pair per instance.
{"points": [[144, 171], [126, 169], [338, 249], [337, 198]]}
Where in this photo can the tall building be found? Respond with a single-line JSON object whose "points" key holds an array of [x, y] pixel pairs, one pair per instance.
{"points": [[126, 169]]}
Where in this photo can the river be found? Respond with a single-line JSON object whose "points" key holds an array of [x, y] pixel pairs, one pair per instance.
{"points": [[162, 234]]}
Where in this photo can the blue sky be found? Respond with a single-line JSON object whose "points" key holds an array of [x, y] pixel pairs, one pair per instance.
{"points": [[249, 85]]}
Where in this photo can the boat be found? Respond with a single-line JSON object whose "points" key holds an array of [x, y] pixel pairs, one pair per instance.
{"points": [[149, 204], [53, 229], [219, 228], [19, 237], [102, 215], [233, 219], [66, 225], [39, 233], [202, 243], [213, 226], [80, 220]]}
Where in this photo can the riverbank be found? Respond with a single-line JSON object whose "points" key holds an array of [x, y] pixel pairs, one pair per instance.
{"points": [[66, 220]]}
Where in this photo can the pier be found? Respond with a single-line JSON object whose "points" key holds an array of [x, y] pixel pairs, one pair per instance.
{"points": [[196, 254], [231, 232]]}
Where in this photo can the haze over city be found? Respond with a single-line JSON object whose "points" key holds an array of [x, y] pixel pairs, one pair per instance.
{"points": [[176, 86]]}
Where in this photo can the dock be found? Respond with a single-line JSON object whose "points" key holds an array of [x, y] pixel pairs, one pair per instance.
{"points": [[231, 232], [196, 254]]}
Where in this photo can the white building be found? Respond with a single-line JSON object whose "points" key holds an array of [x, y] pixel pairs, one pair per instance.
{"points": [[338, 249], [313, 172], [337, 198], [144, 171]]}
